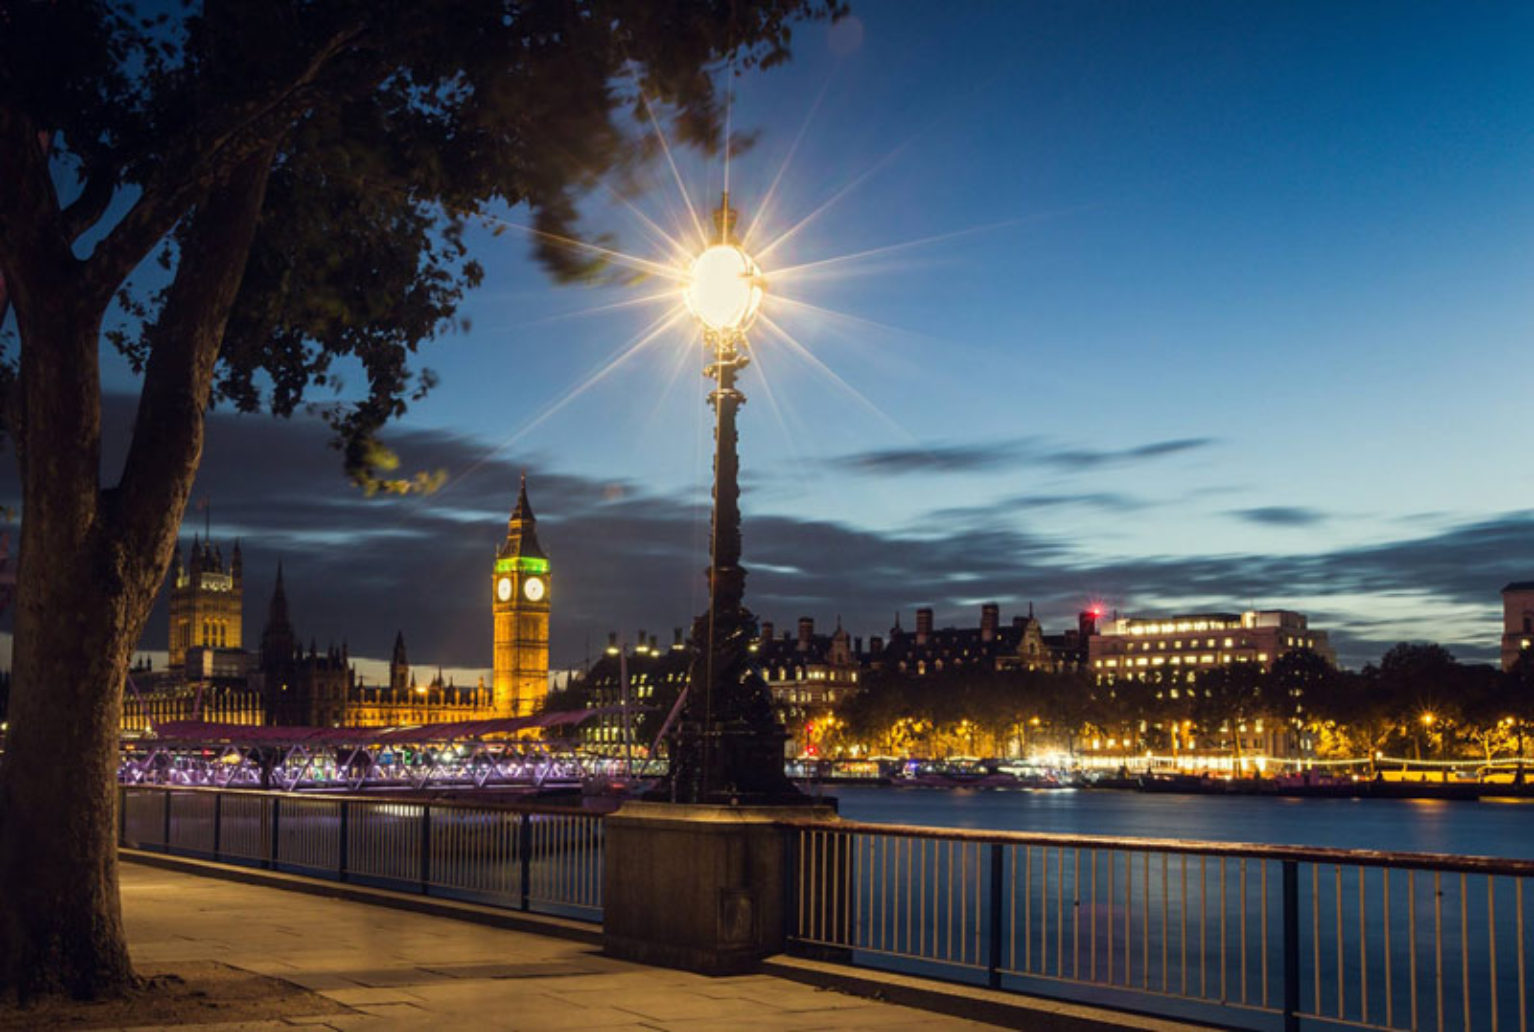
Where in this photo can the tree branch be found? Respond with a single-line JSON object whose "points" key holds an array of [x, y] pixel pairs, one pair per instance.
{"points": [[147, 505], [200, 158], [83, 212], [29, 207]]}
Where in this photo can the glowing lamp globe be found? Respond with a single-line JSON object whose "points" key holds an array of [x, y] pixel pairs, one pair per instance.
{"points": [[724, 288]]}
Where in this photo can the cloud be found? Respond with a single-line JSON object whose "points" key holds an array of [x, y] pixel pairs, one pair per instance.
{"points": [[959, 458], [1006, 454], [1080, 459], [359, 569], [1102, 501], [1280, 516]]}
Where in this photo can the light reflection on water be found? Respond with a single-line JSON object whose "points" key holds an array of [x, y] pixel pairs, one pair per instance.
{"points": [[1504, 829]]}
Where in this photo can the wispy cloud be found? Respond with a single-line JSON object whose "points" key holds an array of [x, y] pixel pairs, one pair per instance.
{"points": [[955, 458], [1280, 516], [1079, 459], [1006, 454], [1101, 501]]}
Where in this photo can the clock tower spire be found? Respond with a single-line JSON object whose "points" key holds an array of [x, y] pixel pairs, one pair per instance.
{"points": [[519, 588]]}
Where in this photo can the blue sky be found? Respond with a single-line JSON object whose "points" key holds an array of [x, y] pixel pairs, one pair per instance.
{"points": [[1175, 306]]}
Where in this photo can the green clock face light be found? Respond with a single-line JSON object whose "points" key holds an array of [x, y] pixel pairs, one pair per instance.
{"points": [[522, 564], [533, 588]]}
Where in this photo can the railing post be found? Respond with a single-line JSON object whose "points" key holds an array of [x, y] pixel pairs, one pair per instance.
{"points": [[425, 850], [271, 859], [165, 838], [341, 844], [218, 821], [1291, 880], [790, 887], [525, 854], [993, 968]]}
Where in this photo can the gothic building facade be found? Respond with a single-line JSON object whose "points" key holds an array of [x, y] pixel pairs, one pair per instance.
{"points": [[209, 674], [321, 689], [206, 600], [211, 677]]}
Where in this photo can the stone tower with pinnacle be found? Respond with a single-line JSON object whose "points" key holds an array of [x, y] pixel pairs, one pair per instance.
{"points": [[520, 594]]}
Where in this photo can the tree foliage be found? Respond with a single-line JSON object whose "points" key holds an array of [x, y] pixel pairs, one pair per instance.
{"points": [[387, 128]]}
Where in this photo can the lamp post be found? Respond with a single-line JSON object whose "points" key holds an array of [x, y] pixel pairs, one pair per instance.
{"points": [[728, 746]]}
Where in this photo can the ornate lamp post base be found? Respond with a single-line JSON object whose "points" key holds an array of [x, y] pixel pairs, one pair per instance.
{"points": [[729, 746]]}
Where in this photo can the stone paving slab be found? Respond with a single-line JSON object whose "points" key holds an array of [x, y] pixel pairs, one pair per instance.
{"points": [[403, 970]]}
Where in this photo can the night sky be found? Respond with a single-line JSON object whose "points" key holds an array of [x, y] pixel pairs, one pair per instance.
{"points": [[1166, 306]]}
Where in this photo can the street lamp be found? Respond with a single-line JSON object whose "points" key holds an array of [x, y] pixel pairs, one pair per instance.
{"points": [[724, 290], [728, 746]]}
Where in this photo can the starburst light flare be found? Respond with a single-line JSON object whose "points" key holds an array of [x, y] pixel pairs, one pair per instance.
{"points": [[724, 288]]}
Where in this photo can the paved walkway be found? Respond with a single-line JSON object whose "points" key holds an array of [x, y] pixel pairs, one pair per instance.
{"points": [[401, 970]]}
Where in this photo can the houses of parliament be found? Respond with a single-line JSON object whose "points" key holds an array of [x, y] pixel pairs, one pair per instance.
{"points": [[211, 676]]}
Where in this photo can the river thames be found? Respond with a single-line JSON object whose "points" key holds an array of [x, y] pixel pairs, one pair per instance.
{"points": [[1485, 828]]}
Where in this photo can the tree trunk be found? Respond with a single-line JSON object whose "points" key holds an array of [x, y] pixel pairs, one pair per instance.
{"points": [[91, 562], [61, 927], [61, 924]]}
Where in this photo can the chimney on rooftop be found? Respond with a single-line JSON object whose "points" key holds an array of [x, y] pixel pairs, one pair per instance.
{"points": [[990, 618]]}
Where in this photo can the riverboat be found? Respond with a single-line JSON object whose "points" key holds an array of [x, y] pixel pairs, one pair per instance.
{"points": [[975, 773]]}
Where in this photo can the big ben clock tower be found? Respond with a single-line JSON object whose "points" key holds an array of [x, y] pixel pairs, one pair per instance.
{"points": [[520, 601]]}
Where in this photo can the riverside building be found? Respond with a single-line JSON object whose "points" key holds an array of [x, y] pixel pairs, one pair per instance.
{"points": [[1517, 621], [1170, 654], [1175, 649]]}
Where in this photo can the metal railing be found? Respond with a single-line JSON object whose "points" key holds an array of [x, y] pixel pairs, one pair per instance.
{"points": [[1237, 935], [535, 858]]}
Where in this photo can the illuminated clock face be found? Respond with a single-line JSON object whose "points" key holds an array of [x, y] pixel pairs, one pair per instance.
{"points": [[533, 588], [503, 589]]}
